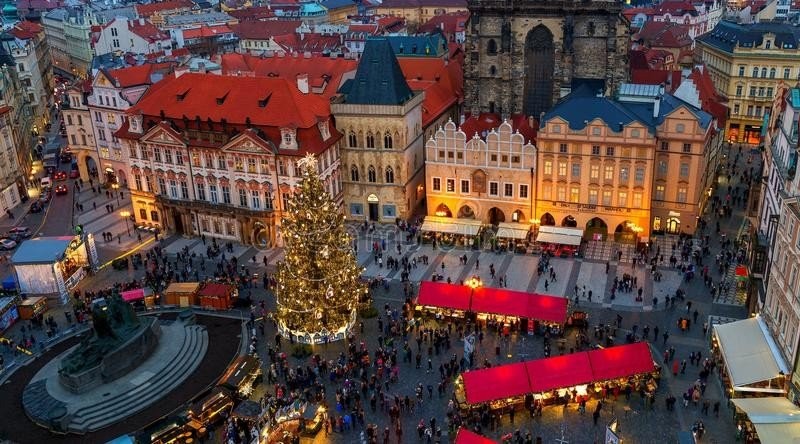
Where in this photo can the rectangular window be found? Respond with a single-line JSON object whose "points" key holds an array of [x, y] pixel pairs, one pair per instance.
{"points": [[173, 189], [624, 174], [659, 194], [548, 167], [242, 197], [508, 190], [226, 194], [494, 189], [208, 159], [574, 194], [168, 156], [157, 154], [547, 191], [464, 186], [639, 175], [238, 164], [251, 165], [563, 148], [741, 71], [576, 170], [255, 199], [662, 167], [263, 165], [145, 156], [739, 90], [201, 191], [664, 146], [212, 192], [179, 157], [437, 184], [184, 190], [622, 199], [285, 200], [98, 117], [196, 160], [595, 150], [162, 186], [592, 197], [148, 180], [682, 194], [137, 180], [637, 199], [268, 201], [607, 198], [752, 91], [594, 172], [523, 191], [608, 173], [684, 172], [101, 134], [451, 185], [221, 165], [562, 193], [562, 169], [356, 209], [609, 151], [787, 72], [687, 147]]}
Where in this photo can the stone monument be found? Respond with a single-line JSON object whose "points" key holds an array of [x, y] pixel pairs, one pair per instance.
{"points": [[119, 342]]}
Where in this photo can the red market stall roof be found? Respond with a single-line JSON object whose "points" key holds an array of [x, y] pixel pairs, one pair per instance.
{"points": [[741, 271], [559, 371], [520, 304], [133, 295], [466, 436], [493, 383], [440, 294], [624, 360], [215, 290], [493, 301]]}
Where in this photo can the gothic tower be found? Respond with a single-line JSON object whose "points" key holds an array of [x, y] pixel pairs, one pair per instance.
{"points": [[523, 55]]}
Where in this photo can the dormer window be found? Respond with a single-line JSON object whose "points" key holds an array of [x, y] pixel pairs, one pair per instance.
{"points": [[288, 140], [323, 130], [136, 124]]}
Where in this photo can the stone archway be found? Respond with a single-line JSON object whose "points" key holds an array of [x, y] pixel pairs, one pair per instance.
{"points": [[539, 65], [569, 221], [466, 212], [548, 219], [443, 211], [87, 165], [625, 233], [122, 178], [518, 216], [496, 216], [596, 229], [261, 235]]}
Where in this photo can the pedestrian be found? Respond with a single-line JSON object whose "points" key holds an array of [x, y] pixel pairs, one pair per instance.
{"points": [[665, 336], [596, 416], [716, 409], [94, 204]]}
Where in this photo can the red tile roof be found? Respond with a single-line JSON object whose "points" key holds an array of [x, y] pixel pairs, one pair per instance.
{"points": [[710, 99], [139, 75], [171, 5], [664, 35], [253, 13], [442, 82], [205, 31], [486, 122], [147, 31], [38, 5], [313, 43], [263, 30], [26, 30], [675, 8], [174, 54], [448, 23], [423, 3]]}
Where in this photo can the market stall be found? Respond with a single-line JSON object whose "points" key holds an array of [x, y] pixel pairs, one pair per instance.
{"points": [[183, 294], [217, 296], [443, 299], [8, 312], [139, 296], [466, 436], [512, 236], [32, 307], [210, 409], [242, 375], [750, 360], [52, 266], [583, 373], [559, 241], [769, 420], [452, 231]]}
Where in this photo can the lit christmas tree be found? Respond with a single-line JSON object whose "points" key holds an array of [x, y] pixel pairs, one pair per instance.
{"points": [[318, 286]]}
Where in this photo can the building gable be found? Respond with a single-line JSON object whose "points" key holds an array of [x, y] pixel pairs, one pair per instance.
{"points": [[248, 142], [163, 134]]}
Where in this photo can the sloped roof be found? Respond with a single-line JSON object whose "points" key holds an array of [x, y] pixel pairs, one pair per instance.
{"points": [[139, 75], [672, 7], [205, 31], [485, 122], [419, 45], [314, 43], [253, 13], [424, 3], [449, 23], [170, 5], [442, 82], [41, 250], [25, 30], [665, 34], [147, 31], [727, 35], [263, 30], [379, 79]]}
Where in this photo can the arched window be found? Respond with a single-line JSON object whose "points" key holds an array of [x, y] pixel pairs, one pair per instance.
{"points": [[142, 214], [764, 73], [370, 140], [772, 73], [154, 216], [371, 174], [352, 140], [387, 141], [492, 70], [354, 173], [491, 47], [389, 175]]}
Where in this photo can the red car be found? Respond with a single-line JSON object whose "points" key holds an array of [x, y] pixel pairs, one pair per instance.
{"points": [[61, 190], [60, 175], [74, 174]]}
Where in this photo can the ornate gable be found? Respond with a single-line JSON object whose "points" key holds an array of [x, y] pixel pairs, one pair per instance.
{"points": [[248, 142], [163, 134]]}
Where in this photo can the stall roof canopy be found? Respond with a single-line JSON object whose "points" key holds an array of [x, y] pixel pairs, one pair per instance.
{"points": [[216, 290], [133, 295], [33, 300], [438, 224], [542, 375], [748, 354], [466, 436], [493, 301], [489, 384], [559, 235], [6, 301], [776, 418], [510, 230], [41, 250], [183, 287]]}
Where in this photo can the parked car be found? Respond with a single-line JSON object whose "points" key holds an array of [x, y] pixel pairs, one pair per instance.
{"points": [[60, 175], [22, 231], [65, 157], [36, 207], [61, 190], [7, 244]]}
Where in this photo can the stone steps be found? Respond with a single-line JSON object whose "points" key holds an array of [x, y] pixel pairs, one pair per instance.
{"points": [[109, 411], [38, 402]]}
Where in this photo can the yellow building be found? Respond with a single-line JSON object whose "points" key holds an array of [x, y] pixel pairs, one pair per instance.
{"points": [[489, 180], [627, 167], [746, 63], [417, 12]]}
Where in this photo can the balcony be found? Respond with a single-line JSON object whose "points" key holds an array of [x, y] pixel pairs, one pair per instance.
{"points": [[213, 207]]}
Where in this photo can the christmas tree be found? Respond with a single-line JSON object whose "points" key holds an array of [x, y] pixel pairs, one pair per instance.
{"points": [[318, 286]]}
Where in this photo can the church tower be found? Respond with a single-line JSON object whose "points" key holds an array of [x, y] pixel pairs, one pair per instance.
{"points": [[523, 55]]}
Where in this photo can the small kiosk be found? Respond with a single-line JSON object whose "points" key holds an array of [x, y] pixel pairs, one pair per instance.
{"points": [[183, 294], [512, 236], [217, 296], [560, 241], [451, 231], [209, 410], [242, 376], [8, 312], [32, 308]]}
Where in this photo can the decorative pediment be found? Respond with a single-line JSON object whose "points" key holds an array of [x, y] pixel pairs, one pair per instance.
{"points": [[163, 134], [248, 142]]}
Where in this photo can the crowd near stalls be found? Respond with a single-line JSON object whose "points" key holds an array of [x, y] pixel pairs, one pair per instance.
{"points": [[559, 241], [767, 420], [443, 230], [570, 378]]}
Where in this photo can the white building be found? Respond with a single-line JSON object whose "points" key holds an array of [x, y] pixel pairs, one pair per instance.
{"points": [[134, 36], [700, 16], [80, 133]]}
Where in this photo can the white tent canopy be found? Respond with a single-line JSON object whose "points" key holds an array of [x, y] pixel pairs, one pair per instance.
{"points": [[559, 235], [511, 230], [776, 419], [749, 355], [438, 224]]}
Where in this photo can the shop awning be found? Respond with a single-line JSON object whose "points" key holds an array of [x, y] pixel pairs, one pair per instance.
{"points": [[749, 355], [618, 362], [559, 235], [490, 384], [559, 371], [133, 295], [438, 224], [510, 230], [776, 418], [444, 295], [466, 436], [517, 303], [183, 287], [741, 272], [41, 250]]}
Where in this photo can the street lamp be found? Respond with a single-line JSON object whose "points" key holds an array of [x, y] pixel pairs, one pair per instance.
{"points": [[115, 187], [125, 215]]}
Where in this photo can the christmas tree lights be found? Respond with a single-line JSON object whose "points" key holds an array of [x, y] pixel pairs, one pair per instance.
{"points": [[318, 282]]}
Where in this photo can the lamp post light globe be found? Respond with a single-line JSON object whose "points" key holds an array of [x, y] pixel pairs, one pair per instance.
{"points": [[125, 215]]}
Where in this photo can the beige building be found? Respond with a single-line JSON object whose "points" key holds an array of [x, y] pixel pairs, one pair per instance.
{"points": [[489, 180], [80, 133], [628, 167], [747, 62], [417, 12]]}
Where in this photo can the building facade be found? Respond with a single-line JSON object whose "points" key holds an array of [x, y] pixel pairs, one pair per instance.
{"points": [[626, 167], [490, 179], [523, 57], [228, 171], [80, 133], [134, 36], [747, 62], [34, 69], [382, 154]]}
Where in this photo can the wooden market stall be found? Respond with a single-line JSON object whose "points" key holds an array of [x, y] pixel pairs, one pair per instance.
{"points": [[512, 236], [242, 376], [217, 296], [183, 294], [32, 307]]}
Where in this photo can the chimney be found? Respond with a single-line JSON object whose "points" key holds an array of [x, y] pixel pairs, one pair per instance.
{"points": [[302, 83]]}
